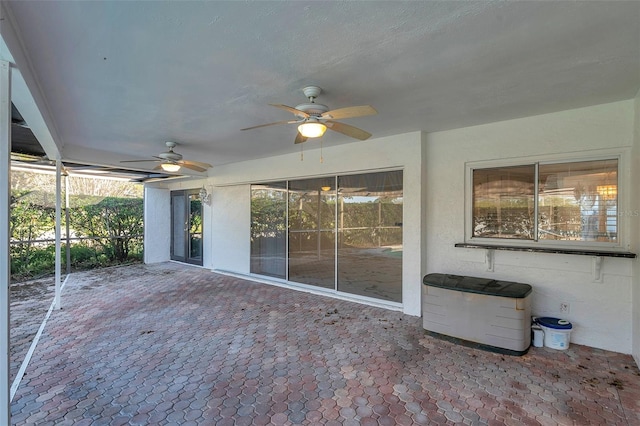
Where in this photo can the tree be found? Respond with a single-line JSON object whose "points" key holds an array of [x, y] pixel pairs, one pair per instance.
{"points": [[116, 222], [29, 221]]}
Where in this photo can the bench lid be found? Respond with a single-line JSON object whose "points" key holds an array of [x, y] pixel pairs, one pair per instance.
{"points": [[478, 285]]}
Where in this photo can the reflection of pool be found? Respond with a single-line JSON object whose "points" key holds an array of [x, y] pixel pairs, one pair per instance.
{"points": [[393, 252]]}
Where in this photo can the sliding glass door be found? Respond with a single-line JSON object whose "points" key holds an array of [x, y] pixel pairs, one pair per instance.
{"points": [[269, 229], [340, 233], [370, 235], [312, 211]]}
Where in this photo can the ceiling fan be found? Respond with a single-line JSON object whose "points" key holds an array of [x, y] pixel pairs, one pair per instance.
{"points": [[314, 119], [171, 161]]}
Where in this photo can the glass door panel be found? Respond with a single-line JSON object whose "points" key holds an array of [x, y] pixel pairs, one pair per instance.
{"points": [[178, 226], [195, 229], [312, 204], [186, 227], [370, 235], [269, 229]]}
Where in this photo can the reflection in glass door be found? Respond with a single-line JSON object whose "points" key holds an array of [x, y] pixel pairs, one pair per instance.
{"points": [[312, 207], [370, 235], [269, 229], [186, 227]]}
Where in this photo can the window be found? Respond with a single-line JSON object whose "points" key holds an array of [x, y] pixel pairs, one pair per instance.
{"points": [[569, 201], [503, 202]]}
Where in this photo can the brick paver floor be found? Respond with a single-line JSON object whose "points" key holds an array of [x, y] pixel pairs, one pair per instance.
{"points": [[30, 302], [173, 344]]}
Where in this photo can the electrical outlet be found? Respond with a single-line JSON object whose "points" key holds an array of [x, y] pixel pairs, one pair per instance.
{"points": [[564, 307]]}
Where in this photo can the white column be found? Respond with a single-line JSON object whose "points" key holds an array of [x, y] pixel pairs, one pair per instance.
{"points": [[66, 222], [5, 263], [58, 233]]}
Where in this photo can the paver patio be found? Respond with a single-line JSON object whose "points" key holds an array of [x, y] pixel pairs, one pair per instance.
{"points": [[174, 344]]}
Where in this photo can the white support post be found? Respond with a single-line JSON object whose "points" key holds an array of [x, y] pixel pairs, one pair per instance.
{"points": [[5, 237], [66, 222], [58, 233]]}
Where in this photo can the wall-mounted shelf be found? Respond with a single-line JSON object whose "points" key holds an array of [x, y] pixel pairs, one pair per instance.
{"points": [[581, 252], [597, 255]]}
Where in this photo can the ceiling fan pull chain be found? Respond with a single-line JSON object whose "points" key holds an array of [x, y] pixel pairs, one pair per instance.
{"points": [[321, 157], [301, 152]]}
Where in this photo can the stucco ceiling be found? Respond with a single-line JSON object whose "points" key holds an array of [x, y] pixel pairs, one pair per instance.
{"points": [[117, 79]]}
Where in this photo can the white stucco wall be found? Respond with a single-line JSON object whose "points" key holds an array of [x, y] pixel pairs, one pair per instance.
{"points": [[601, 312], [230, 232], [231, 198], [635, 231], [157, 225]]}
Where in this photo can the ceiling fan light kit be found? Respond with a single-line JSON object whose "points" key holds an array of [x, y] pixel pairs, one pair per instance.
{"points": [[171, 161], [312, 129], [170, 167], [313, 119]]}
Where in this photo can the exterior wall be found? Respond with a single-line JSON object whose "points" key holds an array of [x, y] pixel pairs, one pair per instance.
{"points": [[601, 312], [230, 232], [231, 198], [157, 225], [635, 231]]}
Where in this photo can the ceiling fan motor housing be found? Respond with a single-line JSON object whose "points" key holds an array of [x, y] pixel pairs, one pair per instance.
{"points": [[312, 109], [170, 155]]}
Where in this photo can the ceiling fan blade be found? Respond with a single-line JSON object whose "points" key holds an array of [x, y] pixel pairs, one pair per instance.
{"points": [[191, 166], [196, 163], [300, 138], [160, 179], [350, 112], [270, 124], [348, 130], [138, 161], [292, 110]]}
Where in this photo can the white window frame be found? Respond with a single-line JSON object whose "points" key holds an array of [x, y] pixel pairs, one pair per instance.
{"points": [[622, 243]]}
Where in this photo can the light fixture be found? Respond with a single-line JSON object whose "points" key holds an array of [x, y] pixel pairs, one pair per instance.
{"points": [[170, 167], [608, 192], [312, 129], [325, 188], [204, 196]]}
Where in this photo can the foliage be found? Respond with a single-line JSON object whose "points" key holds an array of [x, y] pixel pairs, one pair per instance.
{"points": [[363, 224], [503, 223], [113, 225], [268, 215], [114, 221], [372, 224]]}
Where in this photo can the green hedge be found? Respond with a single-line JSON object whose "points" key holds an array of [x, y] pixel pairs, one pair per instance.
{"points": [[113, 224]]}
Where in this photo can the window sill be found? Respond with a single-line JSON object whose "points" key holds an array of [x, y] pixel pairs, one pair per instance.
{"points": [[581, 252]]}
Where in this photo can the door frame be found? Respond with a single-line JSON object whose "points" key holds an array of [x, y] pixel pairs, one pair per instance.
{"points": [[187, 196]]}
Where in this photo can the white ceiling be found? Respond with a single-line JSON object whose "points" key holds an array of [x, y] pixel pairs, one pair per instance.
{"points": [[117, 79]]}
